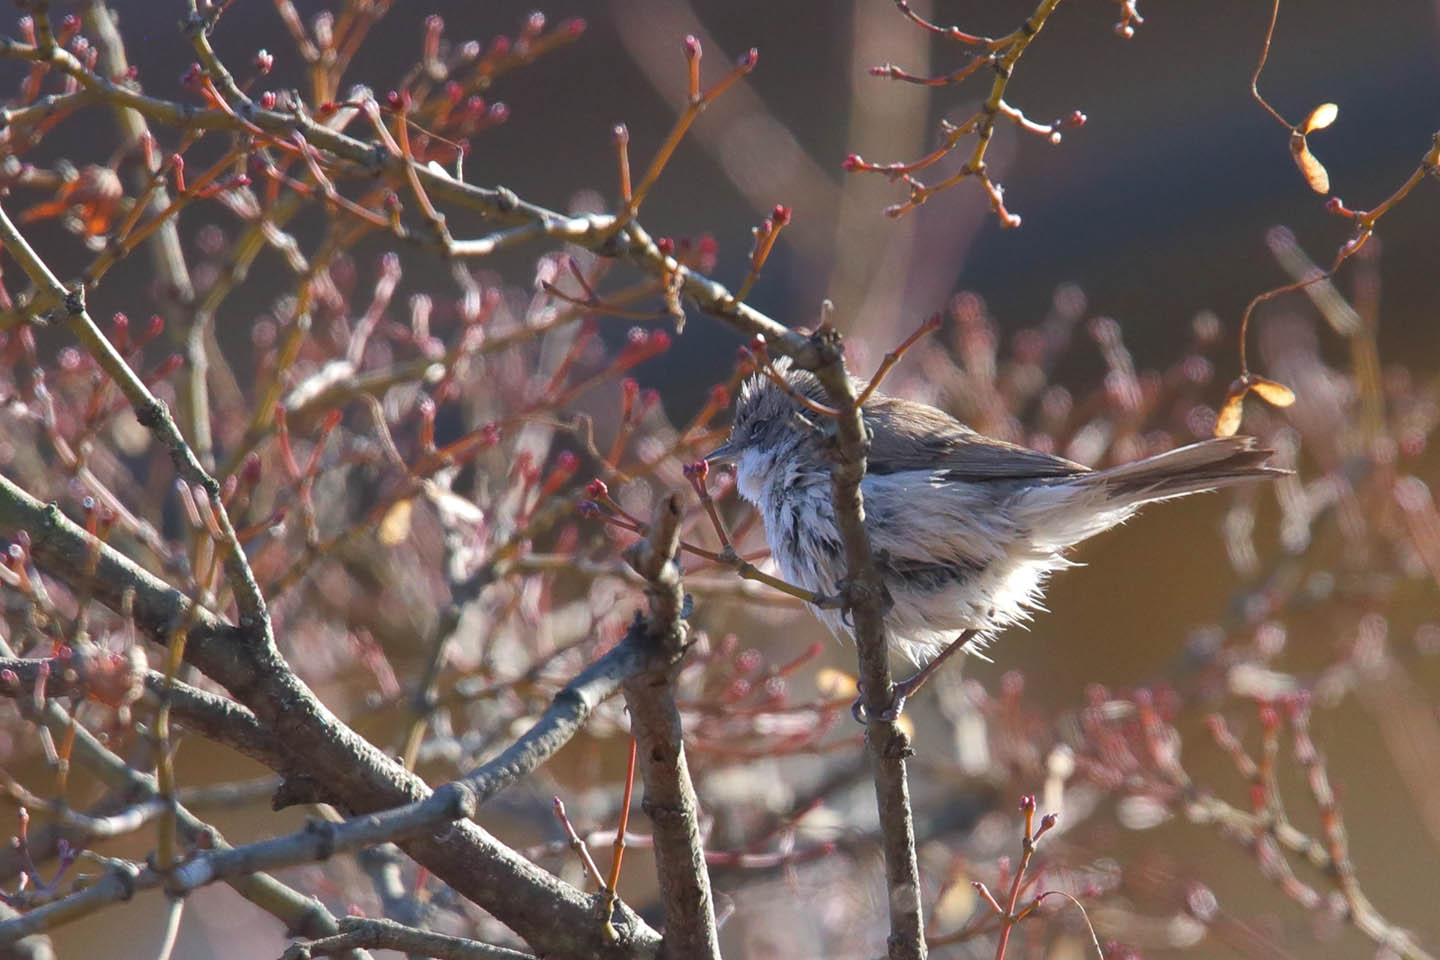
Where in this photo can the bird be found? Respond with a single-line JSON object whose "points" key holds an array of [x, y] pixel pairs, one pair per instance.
{"points": [[966, 530]]}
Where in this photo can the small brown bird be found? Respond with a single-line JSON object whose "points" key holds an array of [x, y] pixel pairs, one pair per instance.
{"points": [[966, 529]]}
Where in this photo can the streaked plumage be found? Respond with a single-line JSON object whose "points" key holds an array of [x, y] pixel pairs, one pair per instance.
{"points": [[966, 529]]}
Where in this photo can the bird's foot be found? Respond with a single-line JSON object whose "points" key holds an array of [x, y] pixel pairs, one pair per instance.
{"points": [[888, 715]]}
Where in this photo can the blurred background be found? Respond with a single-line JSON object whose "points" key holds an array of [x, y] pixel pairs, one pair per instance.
{"points": [[1154, 213]]}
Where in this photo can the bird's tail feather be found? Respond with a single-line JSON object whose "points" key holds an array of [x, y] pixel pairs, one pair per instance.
{"points": [[1207, 465]]}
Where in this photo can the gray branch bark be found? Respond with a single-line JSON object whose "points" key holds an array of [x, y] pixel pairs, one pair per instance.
{"points": [[670, 801], [866, 600]]}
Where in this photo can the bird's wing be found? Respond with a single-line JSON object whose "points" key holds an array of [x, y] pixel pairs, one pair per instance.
{"points": [[915, 436]]}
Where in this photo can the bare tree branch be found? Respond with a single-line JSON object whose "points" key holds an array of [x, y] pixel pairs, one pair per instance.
{"points": [[670, 801], [389, 935], [866, 600], [318, 841], [298, 912]]}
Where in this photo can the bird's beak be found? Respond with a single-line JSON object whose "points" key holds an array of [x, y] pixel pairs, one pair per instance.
{"points": [[722, 455]]}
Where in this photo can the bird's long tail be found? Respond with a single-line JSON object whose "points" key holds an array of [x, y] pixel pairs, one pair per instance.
{"points": [[1061, 513], [1207, 465]]}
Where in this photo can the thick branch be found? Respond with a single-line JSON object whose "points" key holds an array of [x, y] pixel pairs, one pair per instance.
{"points": [[561, 721], [37, 947], [320, 840], [670, 801]]}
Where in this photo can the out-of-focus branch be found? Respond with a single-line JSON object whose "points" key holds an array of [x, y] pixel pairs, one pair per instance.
{"points": [[1252, 829], [37, 947], [152, 414], [389, 935], [1269, 828], [329, 760], [318, 841], [520, 220], [210, 715], [670, 801], [298, 912], [166, 253], [866, 601]]}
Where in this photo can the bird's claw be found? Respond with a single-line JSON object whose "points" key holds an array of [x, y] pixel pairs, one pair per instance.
{"points": [[889, 715]]}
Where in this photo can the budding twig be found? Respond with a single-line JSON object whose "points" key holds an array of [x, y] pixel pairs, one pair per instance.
{"points": [[697, 473], [765, 236], [697, 103], [1008, 915], [578, 845], [893, 357], [618, 853], [1000, 55]]}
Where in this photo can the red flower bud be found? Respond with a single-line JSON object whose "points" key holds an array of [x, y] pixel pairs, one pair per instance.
{"points": [[250, 472]]}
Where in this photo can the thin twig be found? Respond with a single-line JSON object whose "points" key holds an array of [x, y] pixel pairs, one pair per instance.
{"points": [[865, 600]]}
